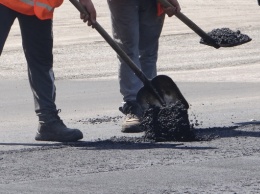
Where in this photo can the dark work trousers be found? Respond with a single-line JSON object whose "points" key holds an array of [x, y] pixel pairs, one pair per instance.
{"points": [[37, 41], [137, 29]]}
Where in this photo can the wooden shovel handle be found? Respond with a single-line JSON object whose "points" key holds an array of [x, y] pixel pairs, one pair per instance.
{"points": [[113, 44], [147, 83], [191, 25]]}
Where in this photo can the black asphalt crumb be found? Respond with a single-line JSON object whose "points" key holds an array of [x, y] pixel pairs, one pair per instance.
{"points": [[169, 123], [227, 37]]}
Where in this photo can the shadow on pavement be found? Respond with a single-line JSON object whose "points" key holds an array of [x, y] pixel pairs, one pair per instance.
{"points": [[246, 129], [249, 123], [31, 144], [111, 145]]}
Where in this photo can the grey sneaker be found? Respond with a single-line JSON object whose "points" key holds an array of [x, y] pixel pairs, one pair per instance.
{"points": [[52, 128], [131, 124], [133, 112]]}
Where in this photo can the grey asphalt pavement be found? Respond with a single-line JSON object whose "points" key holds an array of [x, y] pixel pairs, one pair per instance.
{"points": [[221, 85], [97, 164], [219, 176]]}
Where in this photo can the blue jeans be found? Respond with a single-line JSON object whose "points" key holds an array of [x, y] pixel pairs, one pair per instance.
{"points": [[37, 45], [136, 28]]}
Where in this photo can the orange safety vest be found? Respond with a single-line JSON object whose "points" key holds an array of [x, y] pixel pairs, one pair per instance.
{"points": [[43, 9]]}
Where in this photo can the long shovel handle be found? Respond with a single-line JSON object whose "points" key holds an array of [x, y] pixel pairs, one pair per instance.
{"points": [[113, 44], [192, 25], [120, 52]]}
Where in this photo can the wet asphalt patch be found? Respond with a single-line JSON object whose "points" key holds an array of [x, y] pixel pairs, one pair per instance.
{"points": [[226, 37], [169, 123], [100, 120], [159, 124]]}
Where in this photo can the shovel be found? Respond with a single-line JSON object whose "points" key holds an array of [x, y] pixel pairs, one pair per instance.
{"points": [[160, 91], [206, 39]]}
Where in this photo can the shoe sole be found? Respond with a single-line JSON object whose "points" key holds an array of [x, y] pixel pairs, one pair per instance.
{"points": [[133, 129], [49, 137]]}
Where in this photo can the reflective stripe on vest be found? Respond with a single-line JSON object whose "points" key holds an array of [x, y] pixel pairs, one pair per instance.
{"points": [[29, 2], [49, 8]]}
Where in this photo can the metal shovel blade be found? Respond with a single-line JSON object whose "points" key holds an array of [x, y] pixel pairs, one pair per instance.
{"points": [[215, 40], [226, 37], [166, 88]]}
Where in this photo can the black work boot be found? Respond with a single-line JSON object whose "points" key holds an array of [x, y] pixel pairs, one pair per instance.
{"points": [[53, 129], [133, 112]]}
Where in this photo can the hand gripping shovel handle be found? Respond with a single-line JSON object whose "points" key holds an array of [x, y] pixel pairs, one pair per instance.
{"points": [[192, 25], [120, 52], [112, 43]]}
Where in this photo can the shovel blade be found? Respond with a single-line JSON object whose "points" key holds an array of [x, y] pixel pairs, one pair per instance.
{"points": [[167, 90]]}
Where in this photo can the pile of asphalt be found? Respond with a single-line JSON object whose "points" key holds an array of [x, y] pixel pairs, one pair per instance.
{"points": [[227, 37], [169, 123], [160, 124]]}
